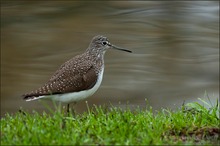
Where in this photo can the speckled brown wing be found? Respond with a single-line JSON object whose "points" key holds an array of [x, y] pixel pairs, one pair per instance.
{"points": [[75, 75]]}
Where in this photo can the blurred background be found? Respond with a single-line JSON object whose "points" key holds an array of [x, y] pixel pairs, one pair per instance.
{"points": [[175, 48]]}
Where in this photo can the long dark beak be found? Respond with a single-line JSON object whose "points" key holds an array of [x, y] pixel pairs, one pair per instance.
{"points": [[118, 48]]}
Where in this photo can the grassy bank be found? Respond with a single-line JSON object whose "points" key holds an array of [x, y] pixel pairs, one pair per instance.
{"points": [[191, 124]]}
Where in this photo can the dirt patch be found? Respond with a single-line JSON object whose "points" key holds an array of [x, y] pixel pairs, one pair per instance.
{"points": [[197, 135]]}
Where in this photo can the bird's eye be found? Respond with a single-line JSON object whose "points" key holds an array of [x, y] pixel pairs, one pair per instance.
{"points": [[104, 43]]}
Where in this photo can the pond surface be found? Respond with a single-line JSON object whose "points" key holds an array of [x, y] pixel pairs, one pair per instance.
{"points": [[175, 48]]}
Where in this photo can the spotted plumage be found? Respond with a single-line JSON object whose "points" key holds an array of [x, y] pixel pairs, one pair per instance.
{"points": [[77, 78]]}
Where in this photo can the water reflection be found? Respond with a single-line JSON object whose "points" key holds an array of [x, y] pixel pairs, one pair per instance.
{"points": [[175, 49]]}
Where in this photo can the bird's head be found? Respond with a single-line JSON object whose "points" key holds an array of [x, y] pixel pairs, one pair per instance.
{"points": [[101, 44]]}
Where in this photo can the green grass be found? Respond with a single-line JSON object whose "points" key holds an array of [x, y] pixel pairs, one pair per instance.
{"points": [[190, 124]]}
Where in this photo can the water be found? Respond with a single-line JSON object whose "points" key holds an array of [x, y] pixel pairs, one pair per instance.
{"points": [[175, 48]]}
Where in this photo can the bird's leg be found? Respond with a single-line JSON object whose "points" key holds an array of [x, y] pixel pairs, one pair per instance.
{"points": [[73, 110], [70, 109], [67, 108]]}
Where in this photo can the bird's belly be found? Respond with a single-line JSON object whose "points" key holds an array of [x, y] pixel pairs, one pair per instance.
{"points": [[76, 96]]}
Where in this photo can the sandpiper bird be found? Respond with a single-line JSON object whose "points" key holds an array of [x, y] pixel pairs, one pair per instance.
{"points": [[77, 78]]}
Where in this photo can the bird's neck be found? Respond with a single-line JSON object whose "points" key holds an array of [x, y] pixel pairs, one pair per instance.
{"points": [[97, 58], [95, 54]]}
